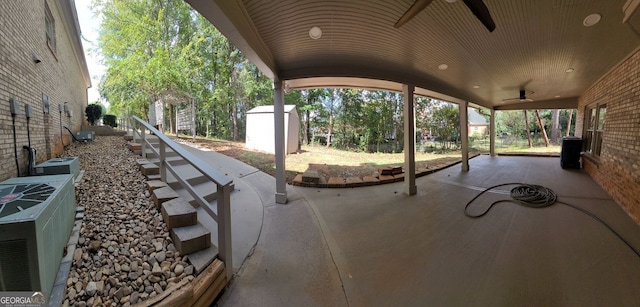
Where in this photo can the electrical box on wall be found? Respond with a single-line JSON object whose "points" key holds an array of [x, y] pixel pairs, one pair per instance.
{"points": [[14, 105], [60, 108], [45, 104], [66, 107], [70, 113], [27, 110]]}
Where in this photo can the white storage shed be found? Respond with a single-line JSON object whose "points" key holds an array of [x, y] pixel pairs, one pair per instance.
{"points": [[260, 129]]}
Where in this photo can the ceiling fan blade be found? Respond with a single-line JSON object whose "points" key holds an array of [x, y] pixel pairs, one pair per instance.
{"points": [[415, 8], [522, 98], [481, 11]]}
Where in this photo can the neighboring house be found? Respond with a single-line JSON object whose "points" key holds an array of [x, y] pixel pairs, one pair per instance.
{"points": [[478, 124], [42, 65]]}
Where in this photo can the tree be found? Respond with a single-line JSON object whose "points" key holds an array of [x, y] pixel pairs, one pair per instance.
{"points": [[569, 122], [542, 129], [94, 113], [445, 124], [526, 125], [156, 48], [555, 123], [331, 105]]}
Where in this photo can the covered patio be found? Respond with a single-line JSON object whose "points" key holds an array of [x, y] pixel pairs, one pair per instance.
{"points": [[410, 243], [375, 246]]}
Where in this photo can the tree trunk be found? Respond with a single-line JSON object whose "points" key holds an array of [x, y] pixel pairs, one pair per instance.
{"points": [[569, 122], [212, 124], [554, 126], [234, 120], [526, 125], [172, 119], [541, 125], [307, 127], [330, 130]]}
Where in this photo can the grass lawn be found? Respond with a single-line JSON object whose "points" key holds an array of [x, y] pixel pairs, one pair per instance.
{"points": [[518, 147], [329, 162]]}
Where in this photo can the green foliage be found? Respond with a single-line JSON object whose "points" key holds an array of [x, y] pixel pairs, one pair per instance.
{"points": [[512, 123], [93, 112], [110, 120], [152, 48], [445, 124], [160, 47], [104, 109]]}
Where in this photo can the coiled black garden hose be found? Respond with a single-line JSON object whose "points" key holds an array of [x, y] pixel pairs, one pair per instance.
{"points": [[537, 196]]}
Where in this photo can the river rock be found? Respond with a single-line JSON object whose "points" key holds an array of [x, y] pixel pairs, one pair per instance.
{"points": [[91, 288]]}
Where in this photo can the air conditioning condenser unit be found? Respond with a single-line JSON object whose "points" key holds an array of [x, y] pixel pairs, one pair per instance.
{"points": [[36, 218]]}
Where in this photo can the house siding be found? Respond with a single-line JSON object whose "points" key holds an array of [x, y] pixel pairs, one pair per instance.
{"points": [[59, 75], [618, 169]]}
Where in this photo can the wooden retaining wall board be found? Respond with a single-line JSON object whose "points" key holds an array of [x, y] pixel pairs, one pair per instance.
{"points": [[199, 291]]}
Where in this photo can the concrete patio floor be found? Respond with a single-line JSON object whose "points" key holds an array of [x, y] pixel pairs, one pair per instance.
{"points": [[375, 246]]}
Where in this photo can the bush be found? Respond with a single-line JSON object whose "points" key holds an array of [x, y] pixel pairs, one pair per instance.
{"points": [[94, 113], [110, 120]]}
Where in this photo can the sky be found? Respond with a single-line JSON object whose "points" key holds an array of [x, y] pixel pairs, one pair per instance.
{"points": [[89, 26]]}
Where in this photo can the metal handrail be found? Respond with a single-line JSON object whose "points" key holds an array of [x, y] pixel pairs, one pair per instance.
{"points": [[223, 184]]}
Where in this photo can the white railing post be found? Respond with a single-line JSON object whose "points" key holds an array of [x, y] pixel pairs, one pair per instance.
{"points": [[143, 145], [224, 228], [163, 165], [133, 131], [223, 193]]}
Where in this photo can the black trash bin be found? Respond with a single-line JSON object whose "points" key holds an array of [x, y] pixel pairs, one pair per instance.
{"points": [[570, 153]]}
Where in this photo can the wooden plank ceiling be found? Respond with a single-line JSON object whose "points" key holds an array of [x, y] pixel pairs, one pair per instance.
{"points": [[534, 44]]}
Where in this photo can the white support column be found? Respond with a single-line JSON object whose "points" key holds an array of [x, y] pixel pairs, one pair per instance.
{"points": [[492, 133], [278, 114], [464, 135], [409, 141]]}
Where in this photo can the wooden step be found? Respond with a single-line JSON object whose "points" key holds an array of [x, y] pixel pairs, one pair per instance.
{"points": [[190, 239], [153, 177], [179, 213], [149, 169], [201, 259], [155, 184], [135, 146], [162, 195]]}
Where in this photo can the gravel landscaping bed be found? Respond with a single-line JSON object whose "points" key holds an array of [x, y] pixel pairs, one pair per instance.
{"points": [[125, 254]]}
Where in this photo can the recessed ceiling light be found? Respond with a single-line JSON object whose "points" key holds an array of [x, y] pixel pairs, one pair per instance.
{"points": [[450, 1], [476, 86], [570, 70], [557, 96], [443, 66], [591, 20], [315, 32]]}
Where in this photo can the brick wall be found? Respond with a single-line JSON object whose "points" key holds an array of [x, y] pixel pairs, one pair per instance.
{"points": [[58, 75], [618, 170]]}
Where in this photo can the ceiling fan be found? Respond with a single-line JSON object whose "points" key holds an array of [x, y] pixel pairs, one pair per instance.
{"points": [[522, 98], [477, 7]]}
